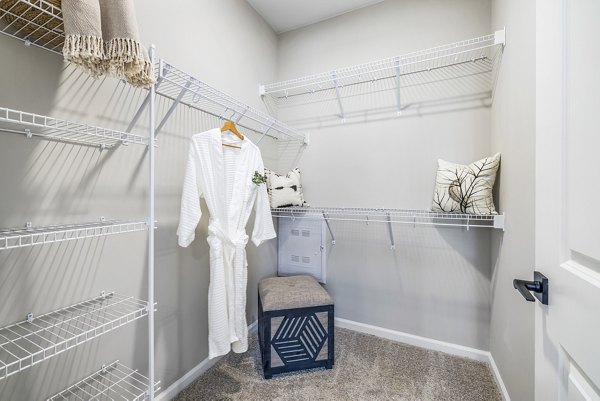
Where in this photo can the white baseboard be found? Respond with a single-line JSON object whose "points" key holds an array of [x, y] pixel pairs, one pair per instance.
{"points": [[498, 378], [252, 327], [418, 341], [171, 392], [428, 343]]}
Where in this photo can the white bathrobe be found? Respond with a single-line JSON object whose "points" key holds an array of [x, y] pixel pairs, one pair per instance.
{"points": [[223, 176]]}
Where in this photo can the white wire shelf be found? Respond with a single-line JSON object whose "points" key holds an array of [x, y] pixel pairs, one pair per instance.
{"points": [[395, 216], [30, 124], [25, 344], [112, 382], [35, 22], [458, 71], [183, 88], [11, 238]]}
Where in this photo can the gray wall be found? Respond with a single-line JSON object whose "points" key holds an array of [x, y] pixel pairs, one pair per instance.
{"points": [[437, 282], [47, 183], [513, 134]]}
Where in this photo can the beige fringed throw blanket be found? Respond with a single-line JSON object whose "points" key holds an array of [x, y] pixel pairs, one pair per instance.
{"points": [[102, 37]]}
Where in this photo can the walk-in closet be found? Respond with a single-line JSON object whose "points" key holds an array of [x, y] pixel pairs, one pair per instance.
{"points": [[299, 200]]}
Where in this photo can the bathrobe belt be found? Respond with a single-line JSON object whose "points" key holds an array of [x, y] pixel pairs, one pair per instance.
{"points": [[239, 241]]}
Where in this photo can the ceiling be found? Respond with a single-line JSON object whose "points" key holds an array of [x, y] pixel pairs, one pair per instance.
{"points": [[287, 15]]}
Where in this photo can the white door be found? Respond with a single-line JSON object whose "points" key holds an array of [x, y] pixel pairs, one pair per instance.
{"points": [[567, 365]]}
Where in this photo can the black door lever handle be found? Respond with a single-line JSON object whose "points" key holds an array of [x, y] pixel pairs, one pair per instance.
{"points": [[539, 287]]}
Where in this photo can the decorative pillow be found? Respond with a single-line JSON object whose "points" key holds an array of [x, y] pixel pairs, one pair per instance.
{"points": [[466, 189], [285, 190]]}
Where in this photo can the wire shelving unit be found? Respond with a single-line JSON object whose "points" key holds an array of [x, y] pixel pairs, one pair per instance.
{"points": [[25, 344], [11, 238], [182, 88], [395, 216], [112, 382], [414, 217], [55, 129], [463, 70], [39, 23], [35, 22]]}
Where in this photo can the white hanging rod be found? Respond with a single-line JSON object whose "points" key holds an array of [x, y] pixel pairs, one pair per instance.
{"points": [[393, 216], [44, 30], [25, 344], [183, 88], [466, 51], [31, 124], [11, 238], [112, 382]]}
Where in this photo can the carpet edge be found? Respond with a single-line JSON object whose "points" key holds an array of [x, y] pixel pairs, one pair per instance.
{"points": [[428, 343]]}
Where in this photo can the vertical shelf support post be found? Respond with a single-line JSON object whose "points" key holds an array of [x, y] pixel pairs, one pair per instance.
{"points": [[151, 219]]}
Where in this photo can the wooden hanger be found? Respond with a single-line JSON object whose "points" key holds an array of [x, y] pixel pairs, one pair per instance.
{"points": [[230, 126]]}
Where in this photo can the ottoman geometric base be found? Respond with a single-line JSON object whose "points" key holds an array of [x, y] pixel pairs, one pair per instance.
{"points": [[293, 339]]}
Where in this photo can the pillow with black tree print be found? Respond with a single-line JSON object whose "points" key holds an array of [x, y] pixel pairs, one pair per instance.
{"points": [[285, 190], [466, 189]]}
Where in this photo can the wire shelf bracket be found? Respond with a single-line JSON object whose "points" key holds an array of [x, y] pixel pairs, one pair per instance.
{"points": [[11, 238], [25, 344], [339, 96], [391, 232], [54, 129], [114, 381], [329, 228]]}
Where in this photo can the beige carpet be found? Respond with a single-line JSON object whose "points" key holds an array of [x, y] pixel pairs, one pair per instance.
{"points": [[366, 368]]}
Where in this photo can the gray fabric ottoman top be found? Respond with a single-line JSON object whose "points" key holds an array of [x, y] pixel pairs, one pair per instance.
{"points": [[277, 293]]}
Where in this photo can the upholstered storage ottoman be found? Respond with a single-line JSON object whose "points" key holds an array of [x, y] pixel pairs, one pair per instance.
{"points": [[295, 325]]}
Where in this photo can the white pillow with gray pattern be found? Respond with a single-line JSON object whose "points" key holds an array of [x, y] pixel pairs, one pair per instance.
{"points": [[466, 188], [285, 190]]}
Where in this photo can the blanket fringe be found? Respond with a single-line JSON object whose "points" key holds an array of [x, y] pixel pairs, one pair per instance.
{"points": [[125, 58], [141, 77], [87, 52]]}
